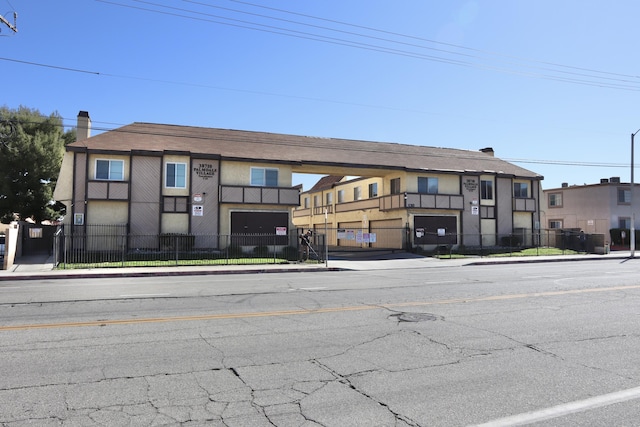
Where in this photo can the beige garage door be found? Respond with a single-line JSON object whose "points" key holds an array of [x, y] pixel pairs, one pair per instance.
{"points": [[389, 233]]}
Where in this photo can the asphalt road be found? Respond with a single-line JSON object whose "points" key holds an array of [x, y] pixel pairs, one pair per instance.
{"points": [[551, 344]]}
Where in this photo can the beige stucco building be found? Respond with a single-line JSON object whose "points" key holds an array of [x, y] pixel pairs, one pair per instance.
{"points": [[592, 208], [166, 179]]}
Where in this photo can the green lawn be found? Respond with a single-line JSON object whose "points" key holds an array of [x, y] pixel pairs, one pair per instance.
{"points": [[537, 252], [119, 264]]}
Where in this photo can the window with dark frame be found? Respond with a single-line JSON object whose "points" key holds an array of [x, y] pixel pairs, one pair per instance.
{"points": [[520, 190], [175, 175], [395, 186], [172, 204], [427, 185], [264, 177], [486, 189], [555, 200], [373, 190], [624, 196], [110, 170], [555, 223]]}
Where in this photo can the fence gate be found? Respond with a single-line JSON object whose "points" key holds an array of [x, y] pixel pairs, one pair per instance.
{"points": [[37, 239]]}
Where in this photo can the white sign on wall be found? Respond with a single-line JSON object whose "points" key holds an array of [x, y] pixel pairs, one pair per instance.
{"points": [[198, 210]]}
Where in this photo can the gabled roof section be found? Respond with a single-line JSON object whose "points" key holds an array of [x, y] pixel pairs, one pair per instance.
{"points": [[294, 149], [325, 183]]}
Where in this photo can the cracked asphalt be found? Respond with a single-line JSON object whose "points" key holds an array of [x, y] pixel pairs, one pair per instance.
{"points": [[362, 348]]}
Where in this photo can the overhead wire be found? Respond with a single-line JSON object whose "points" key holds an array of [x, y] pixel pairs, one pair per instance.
{"points": [[315, 37], [627, 83]]}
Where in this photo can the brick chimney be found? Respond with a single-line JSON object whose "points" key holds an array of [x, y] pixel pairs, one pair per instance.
{"points": [[83, 130]]}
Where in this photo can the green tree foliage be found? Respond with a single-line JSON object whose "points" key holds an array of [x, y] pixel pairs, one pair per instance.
{"points": [[31, 151]]}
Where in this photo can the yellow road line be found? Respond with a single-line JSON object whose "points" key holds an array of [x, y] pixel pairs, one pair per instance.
{"points": [[311, 311]]}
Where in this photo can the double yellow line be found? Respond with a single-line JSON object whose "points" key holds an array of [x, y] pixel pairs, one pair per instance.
{"points": [[204, 317]]}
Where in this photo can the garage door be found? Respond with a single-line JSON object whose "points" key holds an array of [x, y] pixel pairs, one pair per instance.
{"points": [[389, 233], [346, 234]]}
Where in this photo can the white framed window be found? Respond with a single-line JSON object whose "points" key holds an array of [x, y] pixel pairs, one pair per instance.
{"points": [[175, 175], [110, 170], [264, 177], [427, 185]]}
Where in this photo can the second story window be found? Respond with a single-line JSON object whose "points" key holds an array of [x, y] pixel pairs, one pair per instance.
{"points": [[373, 190], [427, 185], [264, 177], [340, 196], [329, 198], [486, 190], [624, 196], [316, 200], [357, 193], [395, 186], [555, 200], [111, 170], [306, 203], [520, 190], [175, 175]]}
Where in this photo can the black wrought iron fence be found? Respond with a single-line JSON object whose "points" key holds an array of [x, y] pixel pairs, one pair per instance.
{"points": [[518, 242], [105, 247]]}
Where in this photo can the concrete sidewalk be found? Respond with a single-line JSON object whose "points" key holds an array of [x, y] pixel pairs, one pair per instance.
{"points": [[42, 267]]}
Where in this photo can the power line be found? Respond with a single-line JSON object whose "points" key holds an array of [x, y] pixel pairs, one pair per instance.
{"points": [[429, 40], [618, 76], [626, 83]]}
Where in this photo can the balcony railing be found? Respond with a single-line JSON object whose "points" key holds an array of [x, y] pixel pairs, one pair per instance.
{"points": [[259, 195], [422, 201], [319, 210], [108, 190], [524, 205]]}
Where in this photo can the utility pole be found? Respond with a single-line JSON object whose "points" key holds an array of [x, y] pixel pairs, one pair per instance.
{"points": [[13, 27]]}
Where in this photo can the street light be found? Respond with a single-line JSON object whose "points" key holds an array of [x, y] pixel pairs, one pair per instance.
{"points": [[632, 231]]}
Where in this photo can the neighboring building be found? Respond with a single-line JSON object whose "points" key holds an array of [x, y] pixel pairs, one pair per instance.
{"points": [[160, 179], [592, 208]]}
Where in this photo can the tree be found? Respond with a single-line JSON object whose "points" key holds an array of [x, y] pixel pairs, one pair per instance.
{"points": [[31, 151]]}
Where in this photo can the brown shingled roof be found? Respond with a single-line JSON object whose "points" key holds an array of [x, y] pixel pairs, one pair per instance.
{"points": [[294, 149], [325, 183]]}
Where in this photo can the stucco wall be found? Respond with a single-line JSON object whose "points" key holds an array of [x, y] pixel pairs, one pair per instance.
{"points": [[107, 212], [239, 173], [175, 223]]}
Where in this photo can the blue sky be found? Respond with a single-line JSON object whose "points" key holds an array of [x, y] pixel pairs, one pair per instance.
{"points": [[551, 85]]}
